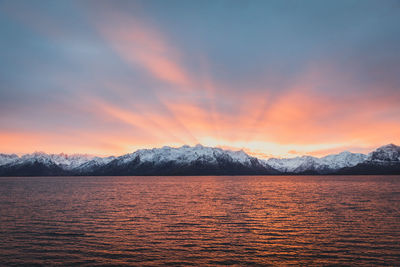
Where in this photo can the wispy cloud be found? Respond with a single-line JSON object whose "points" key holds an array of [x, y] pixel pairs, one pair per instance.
{"points": [[112, 77]]}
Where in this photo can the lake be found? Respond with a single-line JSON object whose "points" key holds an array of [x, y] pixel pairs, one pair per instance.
{"points": [[210, 220]]}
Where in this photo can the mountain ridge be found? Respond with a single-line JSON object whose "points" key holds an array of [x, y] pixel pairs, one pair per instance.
{"points": [[199, 160]]}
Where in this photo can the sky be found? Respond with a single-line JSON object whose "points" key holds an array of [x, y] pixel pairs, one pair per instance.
{"points": [[274, 78]]}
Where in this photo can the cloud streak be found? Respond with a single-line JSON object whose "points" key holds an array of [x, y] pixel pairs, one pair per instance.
{"points": [[117, 76]]}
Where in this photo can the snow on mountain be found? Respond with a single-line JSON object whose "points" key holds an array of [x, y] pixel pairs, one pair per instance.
{"points": [[156, 156], [7, 158], [287, 164], [342, 160], [195, 157], [62, 160], [94, 162], [70, 162], [67, 162], [308, 163], [388, 153], [185, 155]]}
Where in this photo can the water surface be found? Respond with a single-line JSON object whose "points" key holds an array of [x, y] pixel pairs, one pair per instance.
{"points": [[237, 220]]}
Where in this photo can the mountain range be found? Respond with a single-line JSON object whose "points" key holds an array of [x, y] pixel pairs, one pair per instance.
{"points": [[199, 160]]}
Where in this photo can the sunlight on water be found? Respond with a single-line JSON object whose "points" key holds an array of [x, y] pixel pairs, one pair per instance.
{"points": [[235, 220]]}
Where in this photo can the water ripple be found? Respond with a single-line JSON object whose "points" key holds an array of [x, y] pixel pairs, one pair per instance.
{"points": [[207, 221]]}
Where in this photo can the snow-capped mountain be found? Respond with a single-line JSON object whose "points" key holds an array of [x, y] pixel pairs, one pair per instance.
{"points": [[313, 164], [49, 163], [156, 161], [186, 155], [388, 153], [185, 160], [199, 160], [62, 160], [384, 160], [7, 158], [94, 162]]}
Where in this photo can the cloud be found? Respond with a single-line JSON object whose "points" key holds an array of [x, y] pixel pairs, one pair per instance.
{"points": [[145, 47], [113, 77]]}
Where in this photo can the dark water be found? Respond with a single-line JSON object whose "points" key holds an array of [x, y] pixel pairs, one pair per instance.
{"points": [[300, 220]]}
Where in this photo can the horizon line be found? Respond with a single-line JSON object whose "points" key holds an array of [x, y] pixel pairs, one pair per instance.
{"points": [[194, 146]]}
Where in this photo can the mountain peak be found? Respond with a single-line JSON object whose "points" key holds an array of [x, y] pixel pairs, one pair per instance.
{"points": [[389, 152], [197, 160], [39, 153], [185, 154], [389, 146]]}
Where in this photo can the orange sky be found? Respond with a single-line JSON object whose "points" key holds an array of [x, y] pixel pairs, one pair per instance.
{"points": [[130, 77]]}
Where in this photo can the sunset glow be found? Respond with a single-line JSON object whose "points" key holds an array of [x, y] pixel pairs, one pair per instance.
{"points": [[107, 78]]}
